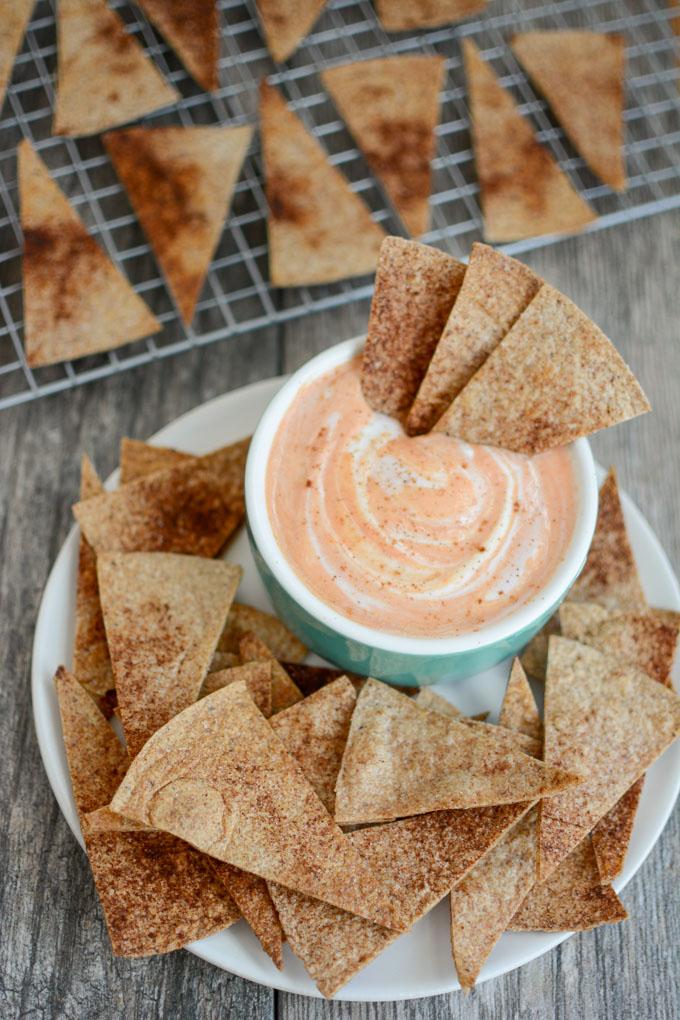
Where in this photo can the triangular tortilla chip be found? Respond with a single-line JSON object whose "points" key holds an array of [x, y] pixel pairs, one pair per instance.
{"points": [[402, 15], [495, 291], [534, 658], [581, 74], [284, 692], [415, 288], [104, 76], [252, 897], [391, 106], [91, 662], [192, 508], [281, 642], [257, 677], [193, 32], [76, 302], [138, 459], [426, 698], [610, 575], [553, 378], [311, 679], [435, 703], [180, 181], [319, 229], [605, 720], [221, 661], [218, 776], [420, 859], [404, 760], [519, 711], [523, 191], [14, 18], [163, 616], [315, 732], [571, 899], [285, 23], [103, 819], [611, 836]]}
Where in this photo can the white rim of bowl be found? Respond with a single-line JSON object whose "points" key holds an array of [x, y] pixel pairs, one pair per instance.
{"points": [[488, 634]]}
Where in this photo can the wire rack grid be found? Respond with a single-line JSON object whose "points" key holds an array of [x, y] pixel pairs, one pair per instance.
{"points": [[237, 297]]}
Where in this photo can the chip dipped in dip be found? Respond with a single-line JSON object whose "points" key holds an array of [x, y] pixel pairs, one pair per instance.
{"points": [[424, 536]]}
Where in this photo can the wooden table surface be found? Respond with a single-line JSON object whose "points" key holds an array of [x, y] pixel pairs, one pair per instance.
{"points": [[54, 954]]}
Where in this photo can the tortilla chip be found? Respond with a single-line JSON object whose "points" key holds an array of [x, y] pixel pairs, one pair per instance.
{"points": [[429, 699], [609, 722], [76, 302], [534, 658], [163, 615], [138, 459], [415, 288], [251, 895], [257, 677], [180, 181], [404, 760], [426, 698], [611, 836], [401, 15], [14, 18], [319, 229], [221, 661], [571, 899], [281, 642], [311, 679], [581, 74], [192, 508], [391, 106], [104, 76], [284, 692], [523, 191], [286, 23], [193, 32], [218, 776], [495, 291], [519, 711], [103, 819], [669, 616], [553, 378], [610, 575]]}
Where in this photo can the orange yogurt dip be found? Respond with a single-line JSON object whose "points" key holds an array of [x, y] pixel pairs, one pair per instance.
{"points": [[423, 536]]}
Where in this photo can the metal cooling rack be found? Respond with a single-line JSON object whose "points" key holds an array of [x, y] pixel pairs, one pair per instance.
{"points": [[237, 297]]}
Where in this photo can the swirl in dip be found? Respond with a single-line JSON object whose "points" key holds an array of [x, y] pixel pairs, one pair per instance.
{"points": [[425, 536]]}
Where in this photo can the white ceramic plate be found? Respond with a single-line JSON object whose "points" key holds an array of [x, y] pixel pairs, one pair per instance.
{"points": [[419, 963]]}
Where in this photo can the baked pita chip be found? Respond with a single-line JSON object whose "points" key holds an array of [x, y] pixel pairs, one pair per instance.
{"points": [[495, 291], [280, 641], [14, 18], [402, 15], [257, 677], [285, 23], [403, 760], [192, 508], [252, 897], [519, 711], [605, 720], [534, 658], [610, 576], [391, 106], [163, 615], [581, 74], [415, 288], [319, 230], [104, 76], [284, 692], [76, 302], [138, 459], [523, 191], [193, 32], [553, 378], [571, 899], [180, 181]]}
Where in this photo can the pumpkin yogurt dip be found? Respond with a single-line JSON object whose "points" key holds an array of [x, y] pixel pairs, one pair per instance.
{"points": [[423, 536]]}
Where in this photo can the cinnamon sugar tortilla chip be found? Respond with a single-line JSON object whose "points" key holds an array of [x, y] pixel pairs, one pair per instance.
{"points": [[495, 291], [218, 776], [319, 230], [138, 459], [244, 619], [104, 76], [581, 74], [571, 899], [163, 615], [415, 288], [252, 897], [221, 661], [534, 658], [403, 760], [610, 576], [435, 703], [284, 692], [192, 29], [103, 819], [180, 181], [553, 378], [257, 677], [76, 302], [391, 106], [190, 508], [519, 741], [609, 722], [14, 18], [523, 191], [519, 711], [401, 15], [311, 679], [611, 836], [285, 23]]}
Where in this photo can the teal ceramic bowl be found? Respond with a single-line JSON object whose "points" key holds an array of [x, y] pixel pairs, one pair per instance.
{"points": [[398, 658]]}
